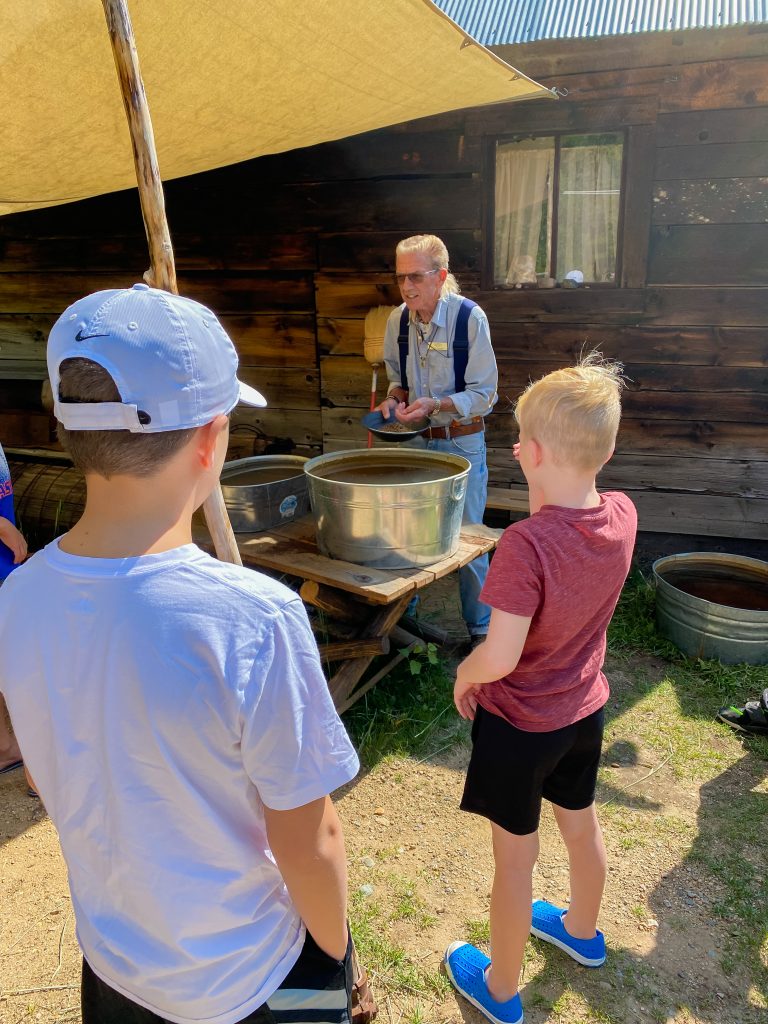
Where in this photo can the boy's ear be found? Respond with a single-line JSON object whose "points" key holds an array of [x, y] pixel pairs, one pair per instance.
{"points": [[537, 452], [206, 440]]}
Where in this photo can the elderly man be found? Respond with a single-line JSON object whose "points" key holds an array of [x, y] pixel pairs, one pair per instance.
{"points": [[441, 367]]}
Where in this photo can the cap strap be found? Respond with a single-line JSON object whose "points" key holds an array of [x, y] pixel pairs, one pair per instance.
{"points": [[98, 416]]}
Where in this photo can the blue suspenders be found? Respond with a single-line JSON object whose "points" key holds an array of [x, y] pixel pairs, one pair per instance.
{"points": [[460, 345]]}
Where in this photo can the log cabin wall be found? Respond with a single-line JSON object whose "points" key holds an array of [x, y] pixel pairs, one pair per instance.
{"points": [[293, 250]]}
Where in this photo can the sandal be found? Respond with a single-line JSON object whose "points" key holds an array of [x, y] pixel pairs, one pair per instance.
{"points": [[751, 719]]}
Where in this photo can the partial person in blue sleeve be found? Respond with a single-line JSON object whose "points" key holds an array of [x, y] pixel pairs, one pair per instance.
{"points": [[441, 367], [13, 551]]}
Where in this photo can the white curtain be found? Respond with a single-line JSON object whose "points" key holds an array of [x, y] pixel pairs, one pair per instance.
{"points": [[523, 203], [588, 209]]}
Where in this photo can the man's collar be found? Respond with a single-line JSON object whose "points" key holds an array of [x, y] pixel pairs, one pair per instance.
{"points": [[438, 317]]}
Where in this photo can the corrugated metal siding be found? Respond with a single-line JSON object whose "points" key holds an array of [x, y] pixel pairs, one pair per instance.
{"points": [[499, 22]]}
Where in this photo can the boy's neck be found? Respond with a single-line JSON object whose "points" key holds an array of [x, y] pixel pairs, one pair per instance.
{"points": [[126, 517], [564, 488]]}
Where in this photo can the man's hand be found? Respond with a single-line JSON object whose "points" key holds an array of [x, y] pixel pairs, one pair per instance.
{"points": [[418, 411], [12, 539], [465, 698], [516, 451], [388, 406]]}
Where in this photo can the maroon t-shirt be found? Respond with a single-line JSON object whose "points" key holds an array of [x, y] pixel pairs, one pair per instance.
{"points": [[563, 567]]}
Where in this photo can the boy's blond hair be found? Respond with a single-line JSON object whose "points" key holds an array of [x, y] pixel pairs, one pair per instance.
{"points": [[435, 250], [575, 412]]}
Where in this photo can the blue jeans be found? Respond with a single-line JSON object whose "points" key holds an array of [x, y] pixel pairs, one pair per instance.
{"points": [[472, 576]]}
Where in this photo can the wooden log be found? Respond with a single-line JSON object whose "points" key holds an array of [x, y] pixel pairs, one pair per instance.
{"points": [[329, 600], [162, 272], [420, 629], [343, 682], [343, 650]]}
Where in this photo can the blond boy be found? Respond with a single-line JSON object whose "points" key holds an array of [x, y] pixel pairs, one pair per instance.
{"points": [[535, 690]]}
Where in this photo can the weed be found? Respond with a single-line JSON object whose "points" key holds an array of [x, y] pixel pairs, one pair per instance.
{"points": [[387, 962], [478, 932], [406, 714]]}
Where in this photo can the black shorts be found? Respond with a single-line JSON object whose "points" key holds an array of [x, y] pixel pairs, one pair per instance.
{"points": [[511, 770], [292, 1003]]}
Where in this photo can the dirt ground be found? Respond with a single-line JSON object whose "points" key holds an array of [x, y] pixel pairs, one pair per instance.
{"points": [[421, 871]]}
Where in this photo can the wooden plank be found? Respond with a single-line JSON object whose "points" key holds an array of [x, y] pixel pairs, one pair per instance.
{"points": [[719, 160], [542, 115], [714, 306], [565, 305], [546, 58], [286, 339], [671, 405], [726, 477], [128, 253], [284, 387], [641, 378], [336, 337], [636, 207], [291, 427], [233, 293], [343, 650], [701, 515], [712, 127], [712, 254], [507, 498], [346, 381], [24, 427], [703, 438], [637, 344], [329, 600], [375, 154], [375, 251], [711, 201]]}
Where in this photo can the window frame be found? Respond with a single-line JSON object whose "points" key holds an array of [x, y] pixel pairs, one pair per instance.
{"points": [[489, 195]]}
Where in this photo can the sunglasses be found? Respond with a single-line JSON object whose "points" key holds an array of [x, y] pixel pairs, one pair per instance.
{"points": [[416, 278]]}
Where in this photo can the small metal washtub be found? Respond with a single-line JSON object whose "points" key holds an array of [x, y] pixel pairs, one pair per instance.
{"points": [[264, 491], [388, 508], [714, 605]]}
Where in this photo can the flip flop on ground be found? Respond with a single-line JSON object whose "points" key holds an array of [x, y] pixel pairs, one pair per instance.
{"points": [[12, 766]]}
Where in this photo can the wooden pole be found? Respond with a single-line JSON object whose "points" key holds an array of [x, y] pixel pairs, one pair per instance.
{"points": [[162, 271]]}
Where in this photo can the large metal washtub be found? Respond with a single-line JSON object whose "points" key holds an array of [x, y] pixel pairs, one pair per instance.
{"points": [[388, 508]]}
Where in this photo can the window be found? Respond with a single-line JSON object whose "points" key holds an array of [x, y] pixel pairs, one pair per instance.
{"points": [[557, 207]]}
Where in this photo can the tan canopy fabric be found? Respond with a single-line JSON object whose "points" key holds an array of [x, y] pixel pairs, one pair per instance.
{"points": [[226, 80]]}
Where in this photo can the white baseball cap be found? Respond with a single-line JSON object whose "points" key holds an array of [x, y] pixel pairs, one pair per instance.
{"points": [[171, 360]]}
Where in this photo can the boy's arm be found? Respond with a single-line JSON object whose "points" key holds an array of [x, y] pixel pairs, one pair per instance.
{"points": [[12, 539], [308, 846], [492, 660]]}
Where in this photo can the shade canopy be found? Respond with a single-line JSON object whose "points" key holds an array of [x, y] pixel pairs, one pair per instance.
{"points": [[226, 81]]}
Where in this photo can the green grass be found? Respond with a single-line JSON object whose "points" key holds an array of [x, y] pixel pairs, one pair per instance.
{"points": [[392, 968], [478, 932], [406, 714]]}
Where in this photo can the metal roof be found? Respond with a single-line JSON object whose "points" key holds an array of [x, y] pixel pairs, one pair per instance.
{"points": [[500, 22]]}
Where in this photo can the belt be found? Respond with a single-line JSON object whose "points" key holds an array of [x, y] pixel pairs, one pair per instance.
{"points": [[455, 429]]}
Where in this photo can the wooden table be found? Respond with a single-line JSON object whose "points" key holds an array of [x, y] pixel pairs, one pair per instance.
{"points": [[364, 605]]}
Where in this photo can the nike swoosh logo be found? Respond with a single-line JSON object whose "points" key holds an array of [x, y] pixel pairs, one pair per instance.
{"points": [[84, 337]]}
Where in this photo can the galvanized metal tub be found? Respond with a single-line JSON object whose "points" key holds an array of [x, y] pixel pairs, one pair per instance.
{"points": [[264, 491], [714, 605], [388, 508]]}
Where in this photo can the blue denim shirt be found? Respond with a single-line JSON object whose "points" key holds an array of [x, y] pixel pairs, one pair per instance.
{"points": [[436, 379]]}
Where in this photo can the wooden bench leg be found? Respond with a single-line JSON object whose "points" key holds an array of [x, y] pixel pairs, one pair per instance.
{"points": [[344, 681]]}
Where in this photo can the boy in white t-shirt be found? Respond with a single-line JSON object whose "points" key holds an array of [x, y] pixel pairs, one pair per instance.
{"points": [[171, 708]]}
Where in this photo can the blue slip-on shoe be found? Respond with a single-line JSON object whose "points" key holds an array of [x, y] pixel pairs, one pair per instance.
{"points": [[466, 967], [547, 924]]}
